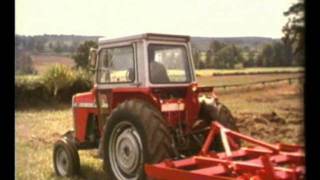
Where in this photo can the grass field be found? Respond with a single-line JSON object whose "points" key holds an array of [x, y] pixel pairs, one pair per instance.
{"points": [[273, 113], [255, 70], [243, 79]]}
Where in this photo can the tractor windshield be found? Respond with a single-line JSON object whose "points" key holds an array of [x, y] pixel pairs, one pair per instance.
{"points": [[168, 64]]}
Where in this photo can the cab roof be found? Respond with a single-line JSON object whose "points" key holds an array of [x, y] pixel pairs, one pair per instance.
{"points": [[146, 36]]}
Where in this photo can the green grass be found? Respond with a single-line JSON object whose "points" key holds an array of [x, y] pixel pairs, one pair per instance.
{"points": [[36, 129], [36, 132]]}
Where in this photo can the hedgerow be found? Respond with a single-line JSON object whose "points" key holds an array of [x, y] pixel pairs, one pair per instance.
{"points": [[58, 84]]}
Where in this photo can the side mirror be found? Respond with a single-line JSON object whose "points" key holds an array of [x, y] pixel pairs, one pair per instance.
{"points": [[93, 56]]}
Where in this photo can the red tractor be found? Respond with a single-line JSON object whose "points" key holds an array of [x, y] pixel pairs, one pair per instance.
{"points": [[145, 107]]}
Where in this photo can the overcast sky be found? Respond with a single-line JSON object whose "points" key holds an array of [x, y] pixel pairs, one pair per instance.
{"points": [[215, 18]]}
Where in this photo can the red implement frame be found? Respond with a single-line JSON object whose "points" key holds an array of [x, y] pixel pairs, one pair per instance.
{"points": [[260, 162]]}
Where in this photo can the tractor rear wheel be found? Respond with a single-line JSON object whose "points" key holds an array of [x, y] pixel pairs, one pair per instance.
{"points": [[65, 158], [135, 133], [223, 115]]}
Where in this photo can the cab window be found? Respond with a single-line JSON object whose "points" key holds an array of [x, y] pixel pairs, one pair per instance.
{"points": [[168, 64], [116, 65]]}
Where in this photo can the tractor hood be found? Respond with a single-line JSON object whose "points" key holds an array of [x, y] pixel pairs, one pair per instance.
{"points": [[85, 100]]}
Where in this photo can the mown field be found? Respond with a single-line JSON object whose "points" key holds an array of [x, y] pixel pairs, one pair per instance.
{"points": [[244, 79], [42, 62], [271, 113]]}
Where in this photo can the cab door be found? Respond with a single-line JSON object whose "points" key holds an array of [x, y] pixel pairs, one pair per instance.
{"points": [[116, 68]]}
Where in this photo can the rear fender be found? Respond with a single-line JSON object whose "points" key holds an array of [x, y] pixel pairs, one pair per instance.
{"points": [[120, 95]]}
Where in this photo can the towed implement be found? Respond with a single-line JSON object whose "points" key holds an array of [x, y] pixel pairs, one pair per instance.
{"points": [[260, 162], [148, 118]]}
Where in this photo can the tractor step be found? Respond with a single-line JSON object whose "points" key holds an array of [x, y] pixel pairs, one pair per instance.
{"points": [[261, 161]]}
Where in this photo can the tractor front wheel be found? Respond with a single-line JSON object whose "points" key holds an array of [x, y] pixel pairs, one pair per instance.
{"points": [[65, 158], [134, 134]]}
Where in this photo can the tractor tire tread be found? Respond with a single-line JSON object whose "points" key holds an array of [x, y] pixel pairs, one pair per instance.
{"points": [[156, 132]]}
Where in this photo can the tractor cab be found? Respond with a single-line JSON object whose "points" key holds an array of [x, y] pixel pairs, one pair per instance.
{"points": [[156, 68]]}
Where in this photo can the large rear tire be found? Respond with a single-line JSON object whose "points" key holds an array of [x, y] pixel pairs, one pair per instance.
{"points": [[134, 134], [218, 112]]}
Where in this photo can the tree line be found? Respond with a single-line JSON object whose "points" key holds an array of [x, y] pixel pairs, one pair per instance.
{"points": [[51, 43], [229, 56], [25, 46]]}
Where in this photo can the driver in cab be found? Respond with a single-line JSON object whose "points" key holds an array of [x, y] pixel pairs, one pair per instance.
{"points": [[158, 72]]}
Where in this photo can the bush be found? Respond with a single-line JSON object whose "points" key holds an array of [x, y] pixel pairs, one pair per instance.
{"points": [[81, 82], [57, 77]]}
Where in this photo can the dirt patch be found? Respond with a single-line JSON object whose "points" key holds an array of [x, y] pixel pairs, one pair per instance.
{"points": [[270, 127], [261, 100]]}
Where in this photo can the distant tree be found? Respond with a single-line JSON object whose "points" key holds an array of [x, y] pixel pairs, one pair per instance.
{"points": [[279, 55], [29, 44], [65, 48], [198, 59], [274, 54], [74, 46], [50, 45], [195, 57], [39, 43], [82, 54], [39, 46], [228, 57], [24, 64], [246, 48], [58, 47], [293, 31], [214, 47], [210, 59], [267, 55], [251, 62]]}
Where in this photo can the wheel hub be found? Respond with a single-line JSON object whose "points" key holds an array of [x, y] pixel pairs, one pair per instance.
{"points": [[62, 162], [127, 151]]}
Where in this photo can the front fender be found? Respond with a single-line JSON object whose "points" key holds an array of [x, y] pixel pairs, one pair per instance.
{"points": [[83, 104]]}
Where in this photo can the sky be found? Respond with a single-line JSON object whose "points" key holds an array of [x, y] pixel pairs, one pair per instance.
{"points": [[113, 18]]}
